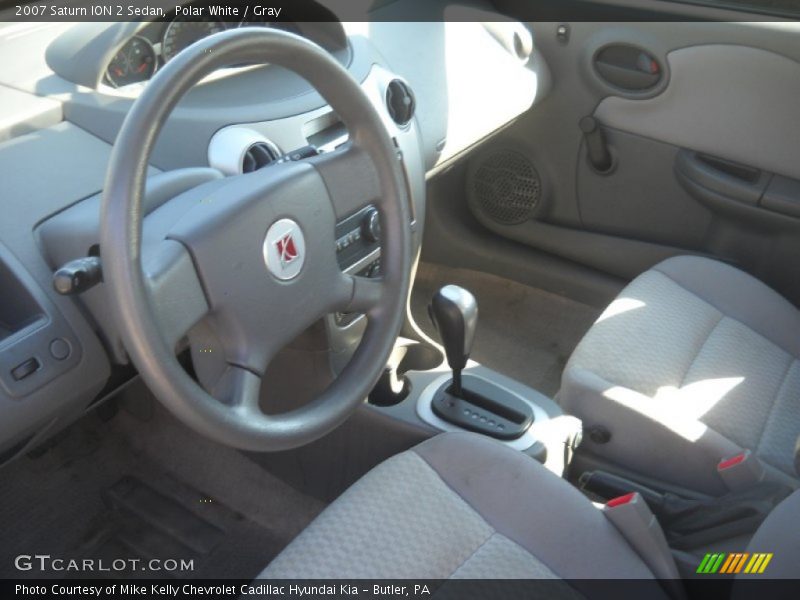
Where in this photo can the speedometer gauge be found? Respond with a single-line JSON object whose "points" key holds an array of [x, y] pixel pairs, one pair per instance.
{"points": [[135, 62], [182, 32]]}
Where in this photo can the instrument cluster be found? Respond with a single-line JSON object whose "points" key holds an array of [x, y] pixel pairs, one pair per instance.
{"points": [[143, 54]]}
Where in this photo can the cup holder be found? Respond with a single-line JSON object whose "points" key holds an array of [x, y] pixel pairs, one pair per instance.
{"points": [[393, 387], [418, 357]]}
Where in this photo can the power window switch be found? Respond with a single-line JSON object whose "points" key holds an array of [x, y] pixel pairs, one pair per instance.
{"points": [[26, 369]]}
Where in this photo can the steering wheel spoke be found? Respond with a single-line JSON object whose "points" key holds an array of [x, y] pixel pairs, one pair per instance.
{"points": [[176, 293], [351, 178], [238, 389], [365, 293]]}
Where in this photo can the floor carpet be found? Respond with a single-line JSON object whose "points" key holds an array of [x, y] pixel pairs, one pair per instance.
{"points": [[146, 487]]}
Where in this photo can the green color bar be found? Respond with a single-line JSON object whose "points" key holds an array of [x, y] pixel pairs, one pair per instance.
{"points": [[702, 567], [717, 564]]}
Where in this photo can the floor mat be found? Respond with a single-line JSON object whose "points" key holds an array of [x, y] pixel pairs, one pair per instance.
{"points": [[523, 332], [143, 488], [177, 530]]}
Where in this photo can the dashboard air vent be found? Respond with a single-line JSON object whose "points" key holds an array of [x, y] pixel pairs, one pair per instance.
{"points": [[259, 155], [400, 102], [235, 150]]}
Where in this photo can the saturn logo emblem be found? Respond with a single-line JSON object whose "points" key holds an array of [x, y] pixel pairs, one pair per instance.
{"points": [[284, 249], [287, 250]]}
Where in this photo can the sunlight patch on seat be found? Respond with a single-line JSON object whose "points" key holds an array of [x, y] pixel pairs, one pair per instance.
{"points": [[620, 306], [691, 430], [678, 409], [696, 399]]}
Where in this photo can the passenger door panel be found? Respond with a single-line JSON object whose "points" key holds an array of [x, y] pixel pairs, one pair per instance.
{"points": [[704, 147]]}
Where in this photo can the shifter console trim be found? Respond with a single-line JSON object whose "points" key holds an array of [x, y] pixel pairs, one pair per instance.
{"points": [[425, 411], [483, 408]]}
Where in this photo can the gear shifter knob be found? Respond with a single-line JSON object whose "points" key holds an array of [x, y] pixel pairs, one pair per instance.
{"points": [[454, 312]]}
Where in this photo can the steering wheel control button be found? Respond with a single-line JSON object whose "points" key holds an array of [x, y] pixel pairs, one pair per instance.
{"points": [[60, 349], [358, 240], [26, 369], [372, 226], [284, 249]]}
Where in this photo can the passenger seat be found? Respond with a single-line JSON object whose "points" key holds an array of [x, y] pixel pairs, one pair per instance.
{"points": [[692, 363]]}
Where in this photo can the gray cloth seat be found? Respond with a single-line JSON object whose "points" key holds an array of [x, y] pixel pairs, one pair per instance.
{"points": [[692, 362], [777, 535], [461, 505]]}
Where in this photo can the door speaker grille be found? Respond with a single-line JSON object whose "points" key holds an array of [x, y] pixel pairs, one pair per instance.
{"points": [[505, 187]]}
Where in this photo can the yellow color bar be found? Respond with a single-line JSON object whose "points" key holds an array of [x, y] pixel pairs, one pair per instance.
{"points": [[764, 564], [751, 564], [758, 563]]}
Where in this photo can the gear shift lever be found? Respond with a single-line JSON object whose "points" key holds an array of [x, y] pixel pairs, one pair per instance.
{"points": [[454, 312], [480, 404]]}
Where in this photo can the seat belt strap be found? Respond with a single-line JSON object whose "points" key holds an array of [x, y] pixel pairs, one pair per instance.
{"points": [[638, 525]]}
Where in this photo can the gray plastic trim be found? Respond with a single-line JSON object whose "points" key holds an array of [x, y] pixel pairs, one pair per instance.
{"points": [[69, 235], [82, 52], [357, 266], [288, 134], [24, 113], [727, 119], [425, 411]]}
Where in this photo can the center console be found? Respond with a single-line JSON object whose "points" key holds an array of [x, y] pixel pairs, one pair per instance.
{"points": [[446, 391], [471, 402]]}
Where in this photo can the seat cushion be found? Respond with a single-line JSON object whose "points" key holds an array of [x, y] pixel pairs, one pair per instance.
{"points": [[692, 362], [777, 535], [460, 506]]}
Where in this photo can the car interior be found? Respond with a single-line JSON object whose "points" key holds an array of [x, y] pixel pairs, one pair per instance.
{"points": [[468, 295]]}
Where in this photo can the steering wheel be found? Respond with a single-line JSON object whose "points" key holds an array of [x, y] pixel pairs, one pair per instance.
{"points": [[254, 254]]}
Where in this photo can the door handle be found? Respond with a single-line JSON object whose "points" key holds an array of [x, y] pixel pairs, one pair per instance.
{"points": [[712, 179], [627, 67]]}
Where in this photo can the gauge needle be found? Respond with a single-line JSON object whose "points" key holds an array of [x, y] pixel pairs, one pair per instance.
{"points": [[141, 68]]}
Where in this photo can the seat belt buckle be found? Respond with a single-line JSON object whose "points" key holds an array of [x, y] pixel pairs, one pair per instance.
{"points": [[633, 518], [741, 471]]}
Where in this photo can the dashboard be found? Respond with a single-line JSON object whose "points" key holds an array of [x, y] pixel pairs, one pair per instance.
{"points": [[66, 93], [158, 43]]}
